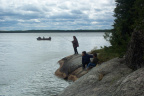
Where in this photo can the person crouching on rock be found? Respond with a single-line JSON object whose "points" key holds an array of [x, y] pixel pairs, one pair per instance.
{"points": [[94, 62], [85, 59], [75, 44]]}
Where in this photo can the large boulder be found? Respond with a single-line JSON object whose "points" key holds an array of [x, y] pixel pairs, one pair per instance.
{"points": [[132, 85], [71, 64], [71, 68], [103, 80]]}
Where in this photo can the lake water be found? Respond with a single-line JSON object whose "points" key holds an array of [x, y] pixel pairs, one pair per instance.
{"points": [[27, 66]]}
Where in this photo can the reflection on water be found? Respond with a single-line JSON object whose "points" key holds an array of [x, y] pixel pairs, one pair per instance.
{"points": [[27, 66]]}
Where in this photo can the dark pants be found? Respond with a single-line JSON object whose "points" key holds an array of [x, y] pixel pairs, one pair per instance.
{"points": [[75, 50], [84, 65], [91, 65]]}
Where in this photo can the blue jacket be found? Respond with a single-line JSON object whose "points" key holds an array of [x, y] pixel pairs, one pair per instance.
{"points": [[86, 59]]}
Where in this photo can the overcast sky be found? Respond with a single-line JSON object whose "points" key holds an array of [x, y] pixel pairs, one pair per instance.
{"points": [[56, 14]]}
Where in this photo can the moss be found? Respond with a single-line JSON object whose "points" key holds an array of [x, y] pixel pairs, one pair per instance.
{"points": [[105, 54]]}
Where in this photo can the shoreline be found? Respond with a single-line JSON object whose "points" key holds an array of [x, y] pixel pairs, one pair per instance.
{"points": [[111, 78]]}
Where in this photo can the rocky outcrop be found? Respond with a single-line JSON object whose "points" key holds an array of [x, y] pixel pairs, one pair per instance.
{"points": [[112, 78], [70, 68], [132, 85]]}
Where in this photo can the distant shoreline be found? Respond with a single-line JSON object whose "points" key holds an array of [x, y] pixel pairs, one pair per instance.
{"points": [[53, 31]]}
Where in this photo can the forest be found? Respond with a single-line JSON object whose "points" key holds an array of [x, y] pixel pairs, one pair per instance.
{"points": [[54, 31], [127, 35]]}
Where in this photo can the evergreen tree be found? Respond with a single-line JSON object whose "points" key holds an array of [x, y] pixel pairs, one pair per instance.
{"points": [[135, 54], [139, 14], [128, 32], [123, 23]]}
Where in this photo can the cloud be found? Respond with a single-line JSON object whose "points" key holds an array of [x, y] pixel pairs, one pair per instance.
{"points": [[56, 14]]}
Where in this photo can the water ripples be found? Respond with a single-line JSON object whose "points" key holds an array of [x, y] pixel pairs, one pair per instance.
{"points": [[27, 66]]}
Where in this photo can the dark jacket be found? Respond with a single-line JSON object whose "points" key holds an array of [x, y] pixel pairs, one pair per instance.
{"points": [[75, 43], [86, 59], [95, 60]]}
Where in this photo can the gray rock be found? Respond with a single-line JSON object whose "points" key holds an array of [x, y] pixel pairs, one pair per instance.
{"points": [[100, 81], [132, 85], [71, 64]]}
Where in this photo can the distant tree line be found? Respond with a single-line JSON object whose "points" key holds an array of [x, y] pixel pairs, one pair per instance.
{"points": [[52, 31]]}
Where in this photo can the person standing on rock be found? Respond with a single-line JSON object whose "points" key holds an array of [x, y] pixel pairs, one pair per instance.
{"points": [[85, 59], [75, 44]]}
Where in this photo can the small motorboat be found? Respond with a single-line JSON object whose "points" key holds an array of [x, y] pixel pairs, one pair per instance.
{"points": [[39, 38]]}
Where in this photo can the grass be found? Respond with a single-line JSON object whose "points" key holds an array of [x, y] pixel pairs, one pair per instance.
{"points": [[105, 54]]}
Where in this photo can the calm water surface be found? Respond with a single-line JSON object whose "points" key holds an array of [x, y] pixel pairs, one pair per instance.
{"points": [[27, 66]]}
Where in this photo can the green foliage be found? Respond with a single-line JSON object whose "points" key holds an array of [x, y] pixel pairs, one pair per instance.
{"points": [[105, 54], [106, 36], [139, 14], [129, 15]]}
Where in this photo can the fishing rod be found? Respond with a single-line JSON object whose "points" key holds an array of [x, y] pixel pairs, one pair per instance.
{"points": [[64, 38]]}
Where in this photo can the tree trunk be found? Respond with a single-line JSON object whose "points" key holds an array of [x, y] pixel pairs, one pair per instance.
{"points": [[134, 57]]}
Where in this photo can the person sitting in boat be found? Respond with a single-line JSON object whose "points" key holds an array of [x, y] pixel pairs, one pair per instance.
{"points": [[43, 37], [39, 37]]}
